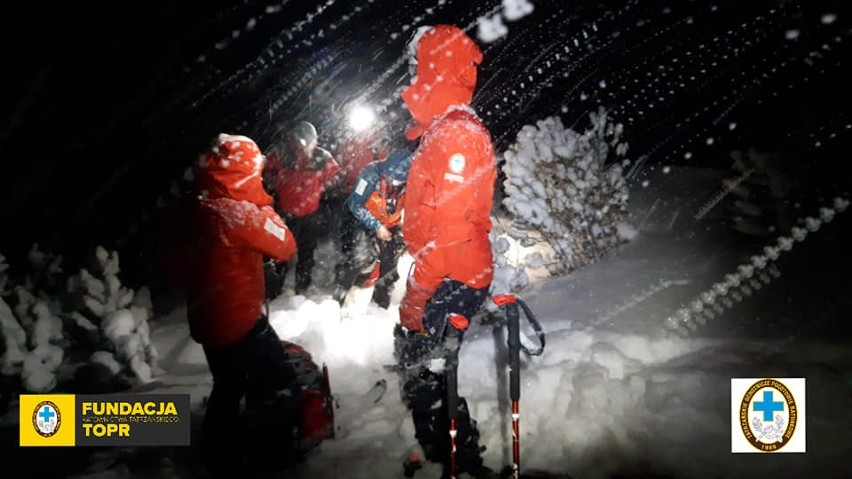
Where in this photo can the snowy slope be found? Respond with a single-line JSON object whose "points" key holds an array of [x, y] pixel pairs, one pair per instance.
{"points": [[614, 394]]}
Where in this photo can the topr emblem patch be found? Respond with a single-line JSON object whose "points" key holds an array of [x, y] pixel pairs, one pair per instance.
{"points": [[457, 163]]}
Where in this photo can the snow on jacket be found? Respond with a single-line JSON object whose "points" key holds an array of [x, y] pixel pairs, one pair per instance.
{"points": [[375, 189], [223, 236], [451, 181], [299, 187], [446, 60]]}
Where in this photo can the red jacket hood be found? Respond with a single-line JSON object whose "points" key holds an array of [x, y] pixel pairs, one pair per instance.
{"points": [[446, 75], [231, 168]]}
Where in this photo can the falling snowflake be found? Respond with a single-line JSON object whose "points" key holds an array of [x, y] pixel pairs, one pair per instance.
{"points": [[828, 18]]}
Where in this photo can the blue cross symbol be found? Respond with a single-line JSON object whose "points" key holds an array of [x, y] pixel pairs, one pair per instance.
{"points": [[768, 406], [46, 414]]}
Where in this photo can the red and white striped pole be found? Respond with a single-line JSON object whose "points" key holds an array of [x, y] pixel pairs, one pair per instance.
{"points": [[457, 324], [509, 301]]}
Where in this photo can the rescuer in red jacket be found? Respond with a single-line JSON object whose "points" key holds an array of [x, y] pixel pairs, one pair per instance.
{"points": [[299, 173], [447, 208], [217, 241]]}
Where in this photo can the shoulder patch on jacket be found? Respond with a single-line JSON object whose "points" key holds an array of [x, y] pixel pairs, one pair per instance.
{"points": [[274, 229], [457, 163], [360, 187], [454, 178]]}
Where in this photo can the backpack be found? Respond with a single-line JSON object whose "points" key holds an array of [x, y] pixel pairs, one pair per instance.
{"points": [[317, 403]]}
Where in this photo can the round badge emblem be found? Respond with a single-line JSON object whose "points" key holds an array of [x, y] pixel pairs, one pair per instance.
{"points": [[457, 163], [768, 415], [46, 418]]}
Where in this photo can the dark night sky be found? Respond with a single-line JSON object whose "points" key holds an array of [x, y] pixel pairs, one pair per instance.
{"points": [[105, 105]]}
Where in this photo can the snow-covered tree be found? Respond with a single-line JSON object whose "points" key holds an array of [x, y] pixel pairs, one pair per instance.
{"points": [[108, 308], [14, 340], [14, 336], [41, 365], [45, 271], [560, 184], [32, 331], [50, 333]]}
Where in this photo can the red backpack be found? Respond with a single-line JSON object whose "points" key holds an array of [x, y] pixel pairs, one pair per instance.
{"points": [[317, 403]]}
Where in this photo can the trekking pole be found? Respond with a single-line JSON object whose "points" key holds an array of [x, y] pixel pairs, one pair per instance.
{"points": [[511, 303], [328, 400], [514, 342], [453, 343]]}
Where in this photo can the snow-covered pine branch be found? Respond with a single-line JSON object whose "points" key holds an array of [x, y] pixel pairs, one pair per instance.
{"points": [[93, 321], [45, 271], [14, 341], [560, 185], [32, 336], [41, 364], [101, 291], [121, 319]]}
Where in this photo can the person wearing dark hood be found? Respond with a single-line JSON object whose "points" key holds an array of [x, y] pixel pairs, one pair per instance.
{"points": [[214, 245], [355, 151], [376, 203], [447, 208], [298, 174]]}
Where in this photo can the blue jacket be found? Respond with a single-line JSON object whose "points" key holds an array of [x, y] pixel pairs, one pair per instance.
{"points": [[394, 168]]}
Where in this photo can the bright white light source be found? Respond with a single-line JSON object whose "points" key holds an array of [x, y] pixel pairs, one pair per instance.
{"points": [[360, 118]]}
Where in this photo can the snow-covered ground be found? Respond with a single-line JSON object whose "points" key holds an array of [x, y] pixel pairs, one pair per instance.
{"points": [[614, 394]]}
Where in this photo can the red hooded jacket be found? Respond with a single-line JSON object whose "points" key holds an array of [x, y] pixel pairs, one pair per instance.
{"points": [[219, 240], [300, 188], [451, 182]]}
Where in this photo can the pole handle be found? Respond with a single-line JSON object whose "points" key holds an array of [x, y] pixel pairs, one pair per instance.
{"points": [[514, 342]]}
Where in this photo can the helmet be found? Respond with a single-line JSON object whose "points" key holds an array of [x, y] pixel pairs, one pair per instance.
{"points": [[303, 133]]}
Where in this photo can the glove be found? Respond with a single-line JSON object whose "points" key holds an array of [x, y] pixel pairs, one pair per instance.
{"points": [[458, 321], [383, 233], [413, 306], [272, 280]]}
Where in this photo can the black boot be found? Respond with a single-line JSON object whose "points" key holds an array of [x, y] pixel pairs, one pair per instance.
{"points": [[302, 283], [381, 296], [432, 429], [431, 425], [284, 420]]}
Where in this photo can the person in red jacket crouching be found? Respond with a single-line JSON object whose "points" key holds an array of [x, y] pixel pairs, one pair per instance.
{"points": [[217, 243], [299, 174], [447, 208]]}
